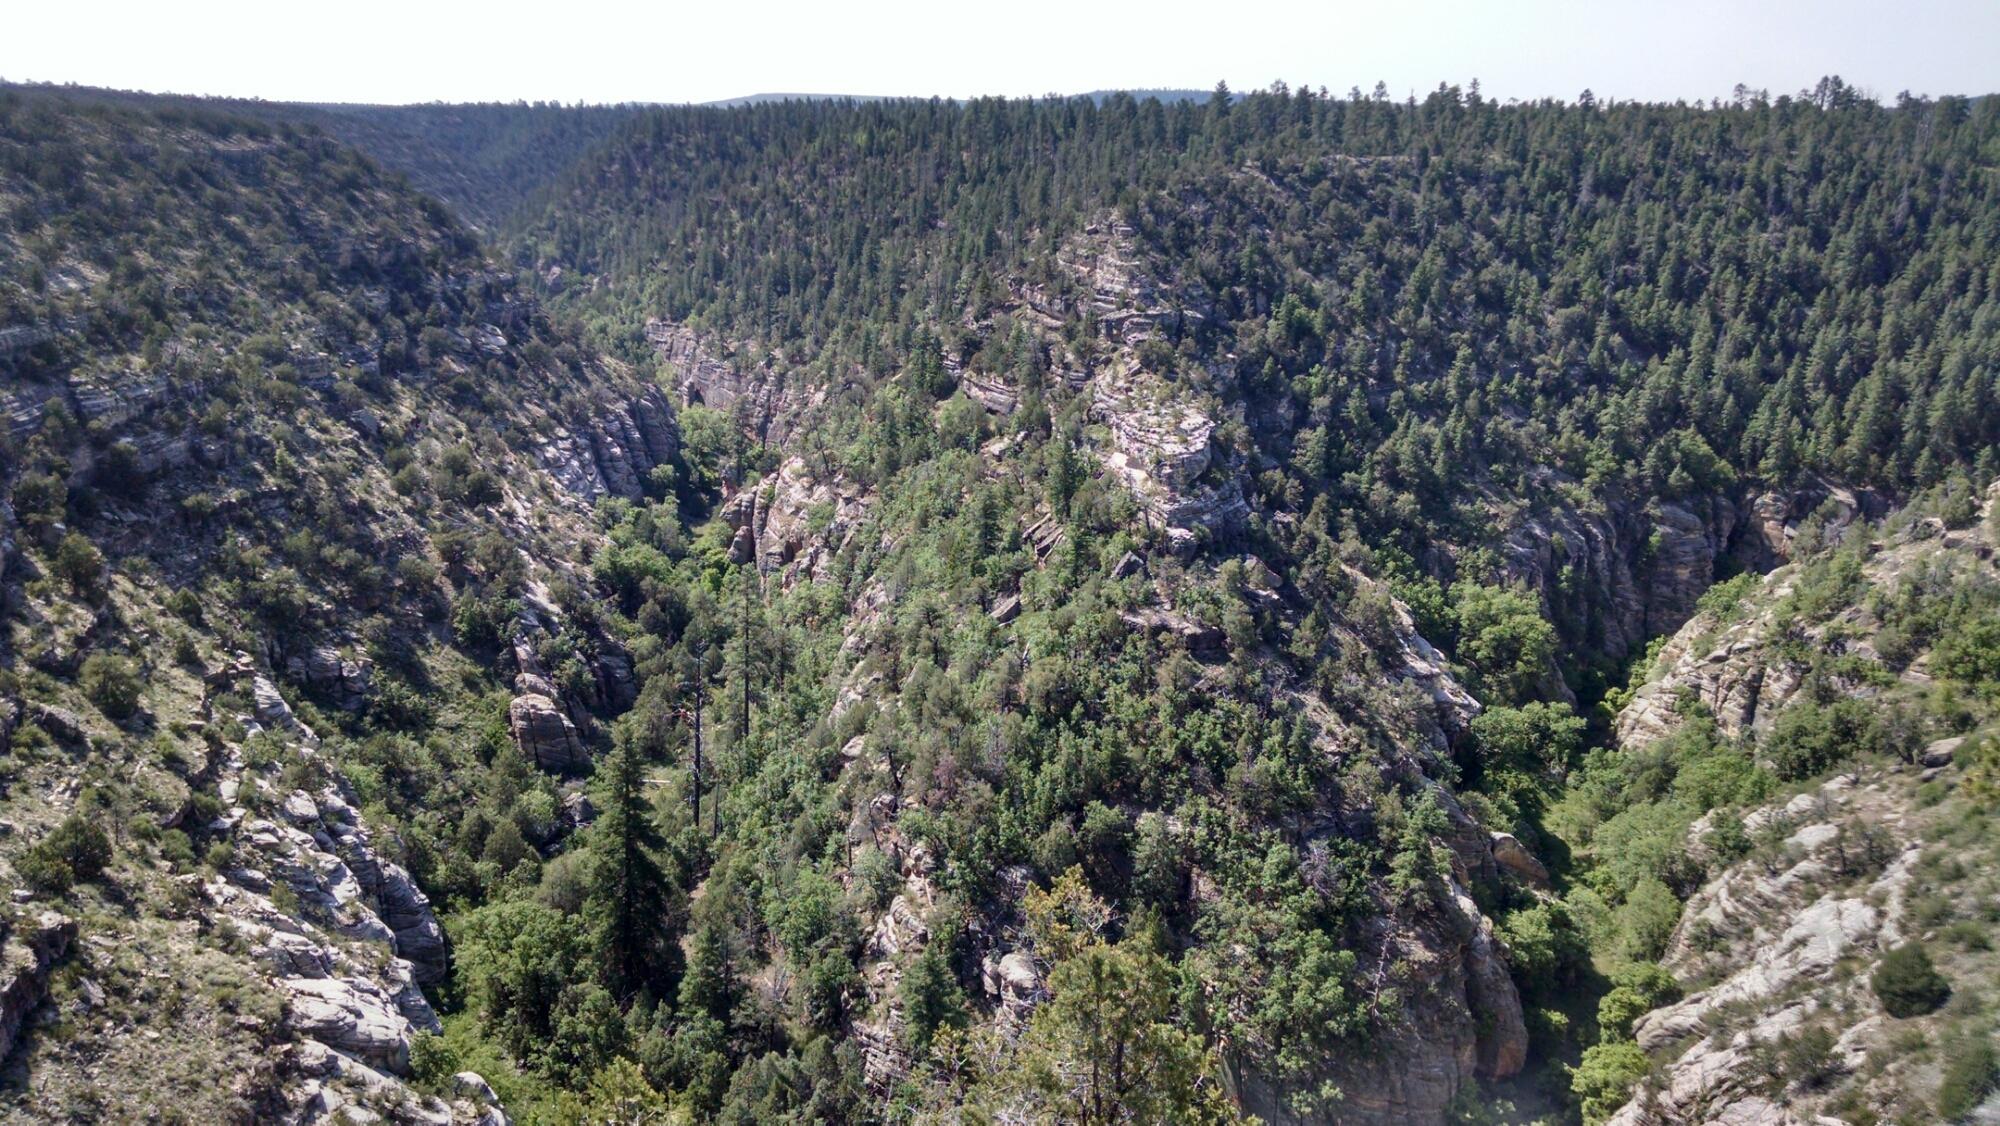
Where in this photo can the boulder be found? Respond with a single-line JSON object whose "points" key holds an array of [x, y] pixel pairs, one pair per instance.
{"points": [[1511, 854], [544, 734], [1940, 753], [577, 811], [274, 713], [65, 725], [352, 1015]]}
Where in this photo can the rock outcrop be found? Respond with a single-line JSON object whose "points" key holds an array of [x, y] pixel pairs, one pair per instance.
{"points": [[806, 521], [272, 712], [700, 375], [615, 450], [544, 734], [1781, 1025], [347, 680], [1465, 1023], [351, 1015], [33, 945], [1775, 942], [1160, 449]]}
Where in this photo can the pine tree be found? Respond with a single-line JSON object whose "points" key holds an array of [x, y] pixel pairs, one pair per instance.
{"points": [[631, 901]]}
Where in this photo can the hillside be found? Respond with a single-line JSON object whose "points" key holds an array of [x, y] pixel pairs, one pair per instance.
{"points": [[481, 160], [1091, 610], [1811, 757], [277, 437], [1593, 349]]}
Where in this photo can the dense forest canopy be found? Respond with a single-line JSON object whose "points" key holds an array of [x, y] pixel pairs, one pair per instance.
{"points": [[1799, 283]]}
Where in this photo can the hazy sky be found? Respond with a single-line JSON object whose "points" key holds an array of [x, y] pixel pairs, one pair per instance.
{"points": [[670, 51]]}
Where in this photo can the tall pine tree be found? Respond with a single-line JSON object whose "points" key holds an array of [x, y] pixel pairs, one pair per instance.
{"points": [[632, 902]]}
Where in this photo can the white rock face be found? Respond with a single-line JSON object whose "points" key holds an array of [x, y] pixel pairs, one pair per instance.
{"points": [[805, 523], [612, 453], [352, 1015], [274, 713]]}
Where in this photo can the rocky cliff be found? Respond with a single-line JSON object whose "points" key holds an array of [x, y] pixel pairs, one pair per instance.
{"points": [[1782, 1022], [246, 562]]}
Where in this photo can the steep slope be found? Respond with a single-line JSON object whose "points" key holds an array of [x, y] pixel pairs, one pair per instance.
{"points": [[1549, 366], [1045, 612], [1607, 351], [276, 496], [1862, 683]]}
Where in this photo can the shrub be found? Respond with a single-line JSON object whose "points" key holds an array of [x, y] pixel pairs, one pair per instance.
{"points": [[1548, 949], [433, 1061], [481, 623], [111, 683], [1640, 987], [1907, 984], [1807, 739], [76, 851], [1967, 1082], [1805, 1057], [185, 605], [1604, 1079], [931, 996], [1504, 638], [177, 849], [80, 566], [40, 499], [1970, 653], [1646, 921]]}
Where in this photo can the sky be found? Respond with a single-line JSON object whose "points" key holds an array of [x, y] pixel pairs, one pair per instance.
{"points": [[396, 51]]}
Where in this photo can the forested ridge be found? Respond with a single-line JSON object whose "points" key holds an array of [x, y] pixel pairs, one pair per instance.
{"points": [[1796, 283], [1133, 613]]}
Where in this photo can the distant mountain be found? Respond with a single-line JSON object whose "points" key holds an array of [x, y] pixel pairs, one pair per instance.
{"points": [[1097, 96], [761, 99], [1164, 95]]}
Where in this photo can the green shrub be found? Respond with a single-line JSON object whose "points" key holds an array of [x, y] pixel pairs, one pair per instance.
{"points": [[1548, 949], [1604, 1079], [1808, 739], [1969, 653], [76, 851], [111, 683], [80, 566], [1907, 984], [40, 499], [481, 623], [177, 849], [1639, 988], [184, 605], [1646, 921], [1805, 1057], [1504, 638], [433, 1061], [1970, 1078], [931, 996]]}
